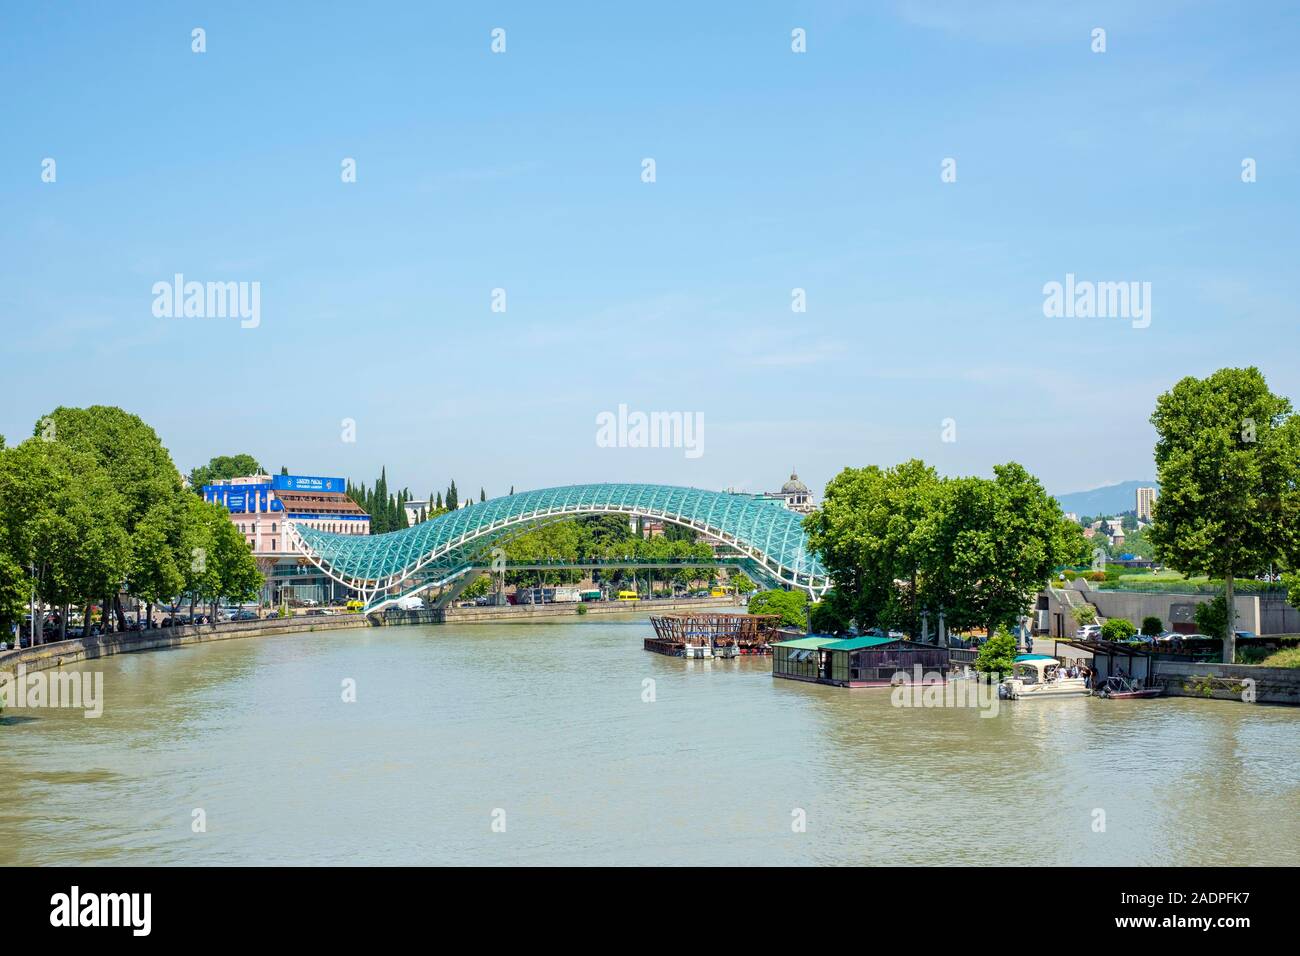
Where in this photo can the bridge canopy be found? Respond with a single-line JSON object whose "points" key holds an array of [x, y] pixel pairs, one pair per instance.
{"points": [[769, 537]]}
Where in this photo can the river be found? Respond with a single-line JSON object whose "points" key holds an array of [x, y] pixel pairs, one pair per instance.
{"points": [[535, 744]]}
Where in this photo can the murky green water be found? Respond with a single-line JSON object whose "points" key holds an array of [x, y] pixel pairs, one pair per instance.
{"points": [[547, 723]]}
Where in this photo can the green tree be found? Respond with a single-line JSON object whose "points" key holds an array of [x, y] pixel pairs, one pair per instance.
{"points": [[790, 605], [131, 456], [741, 582], [61, 524], [1212, 617], [1228, 463], [902, 540], [868, 534], [991, 544], [223, 467], [829, 617], [1084, 614], [1291, 581], [479, 587], [1151, 626]]}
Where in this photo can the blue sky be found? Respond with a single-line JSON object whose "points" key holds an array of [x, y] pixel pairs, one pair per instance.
{"points": [[522, 171]]}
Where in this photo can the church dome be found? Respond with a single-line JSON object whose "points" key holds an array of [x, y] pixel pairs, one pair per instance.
{"points": [[794, 486]]}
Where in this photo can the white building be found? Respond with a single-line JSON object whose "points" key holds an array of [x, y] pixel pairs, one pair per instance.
{"points": [[1146, 499], [794, 494]]}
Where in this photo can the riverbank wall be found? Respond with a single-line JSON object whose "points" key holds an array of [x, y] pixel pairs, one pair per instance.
{"points": [[58, 653], [526, 613], [1244, 682]]}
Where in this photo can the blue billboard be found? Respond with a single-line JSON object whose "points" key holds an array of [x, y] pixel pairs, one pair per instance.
{"points": [[307, 483]]}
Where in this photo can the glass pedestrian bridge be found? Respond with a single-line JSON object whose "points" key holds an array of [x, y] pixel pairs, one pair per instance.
{"points": [[769, 539]]}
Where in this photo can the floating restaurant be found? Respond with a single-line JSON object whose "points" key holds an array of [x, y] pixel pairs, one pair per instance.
{"points": [[856, 661], [712, 634]]}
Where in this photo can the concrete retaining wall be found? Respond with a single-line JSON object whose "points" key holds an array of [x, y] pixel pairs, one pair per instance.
{"points": [[525, 613], [1272, 685], [58, 653]]}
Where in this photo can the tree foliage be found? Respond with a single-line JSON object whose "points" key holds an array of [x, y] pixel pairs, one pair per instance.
{"points": [[903, 540], [92, 506], [221, 468], [792, 606], [1228, 463], [1212, 617]]}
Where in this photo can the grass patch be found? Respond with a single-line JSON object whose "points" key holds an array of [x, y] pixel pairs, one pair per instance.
{"points": [[1288, 657]]}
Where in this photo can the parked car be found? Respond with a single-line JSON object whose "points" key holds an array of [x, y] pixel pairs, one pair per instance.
{"points": [[1245, 634], [245, 616], [1089, 632]]}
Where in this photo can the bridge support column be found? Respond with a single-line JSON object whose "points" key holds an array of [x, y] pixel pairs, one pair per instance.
{"points": [[943, 631]]}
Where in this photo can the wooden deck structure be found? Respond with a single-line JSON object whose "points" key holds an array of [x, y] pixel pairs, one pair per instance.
{"points": [[748, 633]]}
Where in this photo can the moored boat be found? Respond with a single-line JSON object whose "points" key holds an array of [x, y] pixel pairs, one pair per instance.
{"points": [[1122, 688], [1037, 675]]}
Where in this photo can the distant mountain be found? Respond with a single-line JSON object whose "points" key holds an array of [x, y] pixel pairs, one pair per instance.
{"points": [[1107, 500]]}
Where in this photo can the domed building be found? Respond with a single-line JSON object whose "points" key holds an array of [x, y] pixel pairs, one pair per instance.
{"points": [[795, 495]]}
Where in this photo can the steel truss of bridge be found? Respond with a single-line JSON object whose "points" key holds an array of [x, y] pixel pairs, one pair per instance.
{"points": [[770, 543]]}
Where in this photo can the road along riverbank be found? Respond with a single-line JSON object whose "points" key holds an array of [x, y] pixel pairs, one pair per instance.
{"points": [[524, 613], [58, 653]]}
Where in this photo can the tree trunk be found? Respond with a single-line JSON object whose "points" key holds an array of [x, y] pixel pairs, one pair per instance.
{"points": [[63, 623], [117, 609], [1230, 638]]}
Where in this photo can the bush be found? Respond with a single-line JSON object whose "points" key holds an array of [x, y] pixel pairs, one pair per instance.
{"points": [[1118, 629], [997, 655], [1151, 626]]}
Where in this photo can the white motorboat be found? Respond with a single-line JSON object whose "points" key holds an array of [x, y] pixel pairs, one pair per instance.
{"points": [[1037, 675]]}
